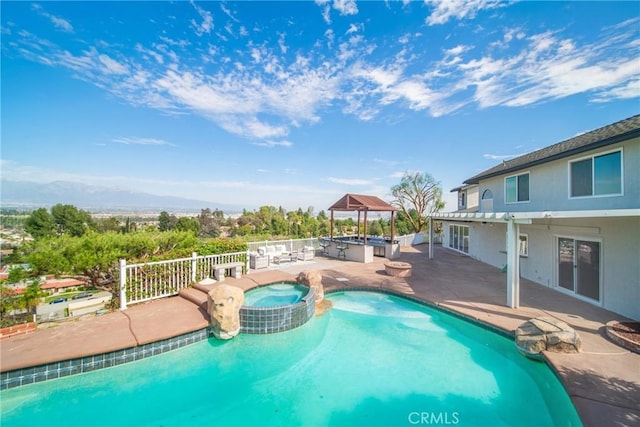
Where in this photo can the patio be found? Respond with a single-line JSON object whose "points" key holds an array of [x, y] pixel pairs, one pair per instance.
{"points": [[603, 381]]}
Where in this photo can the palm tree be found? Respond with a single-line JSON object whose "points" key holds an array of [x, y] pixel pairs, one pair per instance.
{"points": [[31, 296]]}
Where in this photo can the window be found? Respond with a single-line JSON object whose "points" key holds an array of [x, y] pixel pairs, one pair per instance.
{"points": [[486, 203], [596, 176], [459, 238], [461, 200], [523, 245], [517, 188]]}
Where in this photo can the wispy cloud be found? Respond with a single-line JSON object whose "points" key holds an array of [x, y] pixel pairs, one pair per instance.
{"points": [[444, 10], [58, 22], [141, 141], [348, 181], [206, 24], [264, 98], [500, 156]]}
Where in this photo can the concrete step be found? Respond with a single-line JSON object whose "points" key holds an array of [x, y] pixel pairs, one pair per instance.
{"points": [[195, 296]]}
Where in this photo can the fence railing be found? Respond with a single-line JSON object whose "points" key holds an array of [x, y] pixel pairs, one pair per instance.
{"points": [[159, 279]]}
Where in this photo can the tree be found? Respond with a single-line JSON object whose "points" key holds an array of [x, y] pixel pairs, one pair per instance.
{"points": [[71, 220], [40, 224], [31, 296], [187, 224], [166, 222], [417, 196], [210, 222]]}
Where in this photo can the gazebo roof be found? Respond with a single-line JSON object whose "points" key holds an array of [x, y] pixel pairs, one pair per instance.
{"points": [[359, 202]]}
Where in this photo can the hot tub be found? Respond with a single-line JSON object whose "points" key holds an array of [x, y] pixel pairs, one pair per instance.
{"points": [[276, 307]]}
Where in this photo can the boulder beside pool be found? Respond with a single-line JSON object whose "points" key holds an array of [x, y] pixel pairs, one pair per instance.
{"points": [[546, 334], [312, 279], [223, 306]]}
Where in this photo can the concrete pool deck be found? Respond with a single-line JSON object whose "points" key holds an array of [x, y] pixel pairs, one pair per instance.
{"points": [[603, 381]]}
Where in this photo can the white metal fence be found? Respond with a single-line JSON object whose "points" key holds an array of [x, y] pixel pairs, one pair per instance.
{"points": [[152, 280]]}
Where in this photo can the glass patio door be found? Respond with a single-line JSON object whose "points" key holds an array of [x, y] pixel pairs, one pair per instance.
{"points": [[579, 267]]}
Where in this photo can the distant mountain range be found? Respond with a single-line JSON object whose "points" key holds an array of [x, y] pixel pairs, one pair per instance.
{"points": [[25, 194]]}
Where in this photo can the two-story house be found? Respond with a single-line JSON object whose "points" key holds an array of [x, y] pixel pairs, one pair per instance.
{"points": [[566, 216]]}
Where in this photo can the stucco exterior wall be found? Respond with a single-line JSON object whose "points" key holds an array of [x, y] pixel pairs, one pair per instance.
{"points": [[619, 254], [549, 185]]}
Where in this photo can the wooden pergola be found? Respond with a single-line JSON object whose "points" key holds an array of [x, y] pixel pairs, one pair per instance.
{"points": [[362, 203]]}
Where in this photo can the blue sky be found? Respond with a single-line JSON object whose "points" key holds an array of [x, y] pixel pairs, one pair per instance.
{"points": [[294, 104]]}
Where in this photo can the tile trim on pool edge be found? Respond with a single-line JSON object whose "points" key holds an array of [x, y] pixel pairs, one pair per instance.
{"points": [[65, 368]]}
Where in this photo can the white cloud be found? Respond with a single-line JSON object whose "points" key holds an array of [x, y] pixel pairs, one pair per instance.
{"points": [[271, 144], [500, 156], [326, 10], [58, 22], [354, 28], [348, 181], [206, 25], [141, 141], [267, 90], [345, 7], [62, 24], [444, 10], [112, 66]]}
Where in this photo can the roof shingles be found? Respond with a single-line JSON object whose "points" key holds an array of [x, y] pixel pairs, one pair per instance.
{"points": [[610, 134]]}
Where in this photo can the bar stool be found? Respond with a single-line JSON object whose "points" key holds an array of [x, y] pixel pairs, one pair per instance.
{"points": [[342, 251]]}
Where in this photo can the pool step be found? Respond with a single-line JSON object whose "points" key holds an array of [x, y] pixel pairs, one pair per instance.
{"points": [[196, 296]]}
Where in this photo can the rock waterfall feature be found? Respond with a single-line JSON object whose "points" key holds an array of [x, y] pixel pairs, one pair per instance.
{"points": [[223, 306]]}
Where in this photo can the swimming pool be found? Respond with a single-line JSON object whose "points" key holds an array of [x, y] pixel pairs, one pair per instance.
{"points": [[373, 359]]}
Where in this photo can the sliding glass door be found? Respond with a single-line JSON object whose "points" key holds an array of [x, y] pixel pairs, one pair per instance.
{"points": [[579, 267]]}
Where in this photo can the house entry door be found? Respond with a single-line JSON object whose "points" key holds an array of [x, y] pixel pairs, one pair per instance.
{"points": [[579, 267]]}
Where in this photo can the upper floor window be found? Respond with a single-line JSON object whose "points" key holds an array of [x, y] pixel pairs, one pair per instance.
{"points": [[462, 200], [596, 176], [517, 188], [486, 203]]}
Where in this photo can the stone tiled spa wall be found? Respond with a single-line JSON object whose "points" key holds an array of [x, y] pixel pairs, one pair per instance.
{"points": [[268, 320]]}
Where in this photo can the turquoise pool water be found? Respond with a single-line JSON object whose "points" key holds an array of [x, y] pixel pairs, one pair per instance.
{"points": [[373, 359], [282, 293]]}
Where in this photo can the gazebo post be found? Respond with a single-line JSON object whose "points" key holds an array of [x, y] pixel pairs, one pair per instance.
{"points": [[359, 224], [392, 227], [332, 225], [365, 227]]}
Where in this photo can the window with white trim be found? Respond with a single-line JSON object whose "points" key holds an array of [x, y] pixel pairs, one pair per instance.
{"points": [[596, 175], [523, 245], [516, 188], [459, 237]]}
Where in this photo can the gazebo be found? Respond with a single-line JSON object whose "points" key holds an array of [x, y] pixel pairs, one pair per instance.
{"points": [[362, 203]]}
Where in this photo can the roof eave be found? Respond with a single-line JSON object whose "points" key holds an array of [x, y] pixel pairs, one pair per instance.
{"points": [[595, 145]]}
